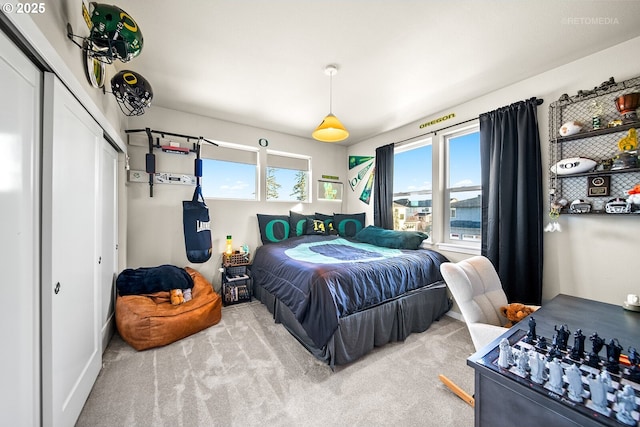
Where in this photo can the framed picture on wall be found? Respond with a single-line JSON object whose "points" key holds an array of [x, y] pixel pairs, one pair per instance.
{"points": [[329, 190]]}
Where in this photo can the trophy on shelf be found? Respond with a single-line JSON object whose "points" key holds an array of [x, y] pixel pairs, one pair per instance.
{"points": [[627, 106]]}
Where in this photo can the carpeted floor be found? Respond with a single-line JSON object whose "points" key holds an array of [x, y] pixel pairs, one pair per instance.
{"points": [[247, 371]]}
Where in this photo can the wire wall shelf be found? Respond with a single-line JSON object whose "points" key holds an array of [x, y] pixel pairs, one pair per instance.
{"points": [[603, 126]]}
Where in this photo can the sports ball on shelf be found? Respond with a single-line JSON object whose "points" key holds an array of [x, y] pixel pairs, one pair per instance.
{"points": [[573, 165], [570, 128]]}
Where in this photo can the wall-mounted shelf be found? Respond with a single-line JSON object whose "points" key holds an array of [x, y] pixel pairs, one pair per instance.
{"points": [[599, 172], [161, 178], [150, 160], [598, 132], [600, 145], [602, 213]]}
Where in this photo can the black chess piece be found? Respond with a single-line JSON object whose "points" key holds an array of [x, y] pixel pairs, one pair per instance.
{"points": [[592, 360], [554, 353], [542, 343], [596, 342], [613, 356], [577, 351], [634, 374], [532, 329], [527, 338], [633, 356], [561, 337], [634, 359]]}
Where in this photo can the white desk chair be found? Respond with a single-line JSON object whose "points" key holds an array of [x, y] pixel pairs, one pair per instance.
{"points": [[477, 290]]}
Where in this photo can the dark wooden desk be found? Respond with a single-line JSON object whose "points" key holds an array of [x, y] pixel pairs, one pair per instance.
{"points": [[502, 401]]}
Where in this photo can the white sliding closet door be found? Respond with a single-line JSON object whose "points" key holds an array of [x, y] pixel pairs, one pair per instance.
{"points": [[20, 87], [108, 239], [71, 297]]}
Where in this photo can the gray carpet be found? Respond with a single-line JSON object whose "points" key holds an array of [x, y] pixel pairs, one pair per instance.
{"points": [[247, 370]]}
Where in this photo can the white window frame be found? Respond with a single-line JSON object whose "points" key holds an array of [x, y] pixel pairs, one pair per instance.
{"points": [[295, 156], [408, 147], [208, 152], [439, 237], [448, 240]]}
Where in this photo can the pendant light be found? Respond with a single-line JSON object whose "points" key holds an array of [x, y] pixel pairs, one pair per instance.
{"points": [[331, 129]]}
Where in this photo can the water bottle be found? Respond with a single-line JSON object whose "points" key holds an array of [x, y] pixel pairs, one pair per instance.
{"points": [[229, 249]]}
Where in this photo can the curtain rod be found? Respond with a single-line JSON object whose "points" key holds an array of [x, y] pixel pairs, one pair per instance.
{"points": [[435, 132]]}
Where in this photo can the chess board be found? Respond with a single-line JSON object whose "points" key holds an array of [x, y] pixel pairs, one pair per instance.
{"points": [[606, 414]]}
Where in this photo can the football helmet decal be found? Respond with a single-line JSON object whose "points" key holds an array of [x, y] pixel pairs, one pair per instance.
{"points": [[132, 91]]}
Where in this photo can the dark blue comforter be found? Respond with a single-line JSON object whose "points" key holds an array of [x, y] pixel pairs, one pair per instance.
{"points": [[323, 278]]}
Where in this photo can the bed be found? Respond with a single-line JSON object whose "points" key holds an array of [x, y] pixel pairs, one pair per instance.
{"points": [[341, 298]]}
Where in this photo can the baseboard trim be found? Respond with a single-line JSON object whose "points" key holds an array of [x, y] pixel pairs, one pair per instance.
{"points": [[108, 329], [455, 315]]}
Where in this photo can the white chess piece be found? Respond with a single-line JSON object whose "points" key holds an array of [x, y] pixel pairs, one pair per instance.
{"points": [[574, 378], [598, 389], [626, 400], [536, 364], [523, 362], [606, 379], [505, 359], [555, 376]]}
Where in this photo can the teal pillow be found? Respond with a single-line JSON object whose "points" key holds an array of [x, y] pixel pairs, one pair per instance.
{"points": [[273, 228], [348, 224], [298, 223], [391, 238]]}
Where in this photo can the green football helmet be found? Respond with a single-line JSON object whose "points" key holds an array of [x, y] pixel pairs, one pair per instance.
{"points": [[113, 34], [132, 91]]}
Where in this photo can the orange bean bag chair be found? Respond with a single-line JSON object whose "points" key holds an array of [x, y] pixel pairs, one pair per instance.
{"points": [[150, 320]]}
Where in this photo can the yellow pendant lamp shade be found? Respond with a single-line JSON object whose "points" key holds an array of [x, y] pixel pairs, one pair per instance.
{"points": [[331, 129]]}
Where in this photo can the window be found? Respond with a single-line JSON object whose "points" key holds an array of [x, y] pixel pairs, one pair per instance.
{"points": [[463, 192], [412, 187], [287, 177], [229, 171], [437, 188]]}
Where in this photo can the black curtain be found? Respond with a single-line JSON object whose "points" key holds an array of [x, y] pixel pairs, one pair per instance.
{"points": [[383, 188], [512, 205]]}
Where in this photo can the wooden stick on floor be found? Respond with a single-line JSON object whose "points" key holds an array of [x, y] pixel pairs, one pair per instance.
{"points": [[458, 391]]}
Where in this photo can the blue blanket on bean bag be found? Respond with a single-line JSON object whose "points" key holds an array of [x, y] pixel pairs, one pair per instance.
{"points": [[147, 280]]}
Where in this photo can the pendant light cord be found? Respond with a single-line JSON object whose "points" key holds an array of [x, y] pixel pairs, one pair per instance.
{"points": [[331, 92]]}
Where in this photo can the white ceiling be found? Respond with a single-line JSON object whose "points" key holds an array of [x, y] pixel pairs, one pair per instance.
{"points": [[261, 63]]}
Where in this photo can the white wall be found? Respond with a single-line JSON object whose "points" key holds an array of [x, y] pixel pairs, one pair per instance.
{"points": [[594, 256], [154, 232], [53, 24], [47, 34]]}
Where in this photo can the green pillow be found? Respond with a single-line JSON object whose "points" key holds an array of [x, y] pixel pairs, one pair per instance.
{"points": [[298, 223], [391, 238]]}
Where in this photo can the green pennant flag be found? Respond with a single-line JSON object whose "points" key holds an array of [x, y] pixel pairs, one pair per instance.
{"points": [[358, 160]]}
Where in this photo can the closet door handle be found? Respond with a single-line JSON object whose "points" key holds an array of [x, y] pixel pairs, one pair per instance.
{"points": [[99, 260], [56, 289]]}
